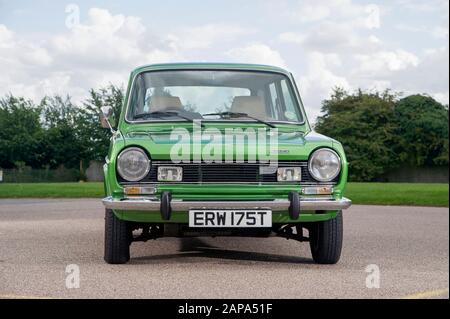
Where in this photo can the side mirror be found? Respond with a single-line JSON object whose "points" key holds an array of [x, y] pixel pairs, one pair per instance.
{"points": [[106, 117]]}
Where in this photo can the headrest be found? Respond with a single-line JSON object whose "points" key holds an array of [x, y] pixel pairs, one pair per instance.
{"points": [[252, 105], [161, 103]]}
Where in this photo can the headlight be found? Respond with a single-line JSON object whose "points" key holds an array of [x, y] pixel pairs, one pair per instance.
{"points": [[324, 165], [133, 164]]}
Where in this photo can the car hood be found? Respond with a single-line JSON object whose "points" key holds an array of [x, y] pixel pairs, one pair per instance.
{"points": [[286, 144]]}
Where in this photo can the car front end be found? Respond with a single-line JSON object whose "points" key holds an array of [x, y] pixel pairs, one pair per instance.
{"points": [[225, 186]]}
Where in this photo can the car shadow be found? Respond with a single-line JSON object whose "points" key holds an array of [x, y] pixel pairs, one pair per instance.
{"points": [[191, 248]]}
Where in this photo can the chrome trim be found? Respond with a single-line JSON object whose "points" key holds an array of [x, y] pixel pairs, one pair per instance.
{"points": [[150, 205], [316, 197], [141, 197]]}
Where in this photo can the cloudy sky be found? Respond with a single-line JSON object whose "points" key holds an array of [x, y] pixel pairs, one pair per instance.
{"points": [[49, 47]]}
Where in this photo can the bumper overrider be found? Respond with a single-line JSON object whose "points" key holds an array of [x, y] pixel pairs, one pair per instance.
{"points": [[294, 204]]}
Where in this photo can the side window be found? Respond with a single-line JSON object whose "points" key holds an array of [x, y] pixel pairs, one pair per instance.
{"points": [[291, 111]]}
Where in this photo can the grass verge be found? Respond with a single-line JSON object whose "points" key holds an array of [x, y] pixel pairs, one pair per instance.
{"points": [[359, 193], [51, 190], [416, 194]]}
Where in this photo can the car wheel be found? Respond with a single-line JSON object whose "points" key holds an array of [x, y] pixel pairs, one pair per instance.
{"points": [[117, 239], [325, 240]]}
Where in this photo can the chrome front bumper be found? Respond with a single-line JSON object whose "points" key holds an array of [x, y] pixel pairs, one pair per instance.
{"points": [[150, 205]]}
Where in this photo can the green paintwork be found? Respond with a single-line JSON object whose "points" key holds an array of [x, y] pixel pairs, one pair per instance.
{"points": [[298, 139]]}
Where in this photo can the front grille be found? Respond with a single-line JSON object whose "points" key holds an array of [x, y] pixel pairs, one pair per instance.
{"points": [[229, 173]]}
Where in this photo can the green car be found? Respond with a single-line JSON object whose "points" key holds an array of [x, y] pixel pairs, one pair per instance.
{"points": [[204, 149]]}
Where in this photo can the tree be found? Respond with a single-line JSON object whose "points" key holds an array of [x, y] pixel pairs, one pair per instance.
{"points": [[61, 139], [55, 132], [363, 123], [20, 132], [422, 127]]}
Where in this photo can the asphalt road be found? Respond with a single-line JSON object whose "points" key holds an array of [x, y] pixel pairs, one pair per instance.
{"points": [[39, 238]]}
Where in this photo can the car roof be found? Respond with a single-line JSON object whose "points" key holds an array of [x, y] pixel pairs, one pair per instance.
{"points": [[210, 66]]}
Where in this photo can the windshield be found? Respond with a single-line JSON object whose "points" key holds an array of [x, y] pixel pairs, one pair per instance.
{"points": [[213, 95]]}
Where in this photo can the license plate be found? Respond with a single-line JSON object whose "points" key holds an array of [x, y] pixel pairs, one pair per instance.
{"points": [[230, 218]]}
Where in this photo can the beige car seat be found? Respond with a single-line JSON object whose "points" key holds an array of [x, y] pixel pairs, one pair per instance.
{"points": [[164, 103], [251, 105]]}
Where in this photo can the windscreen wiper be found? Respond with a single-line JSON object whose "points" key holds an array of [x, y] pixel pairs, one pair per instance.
{"points": [[237, 114], [160, 114]]}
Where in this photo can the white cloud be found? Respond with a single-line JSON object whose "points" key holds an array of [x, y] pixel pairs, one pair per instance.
{"points": [[37, 57], [20, 60], [380, 85], [341, 26], [16, 51], [341, 29], [203, 37], [385, 61], [292, 37], [319, 75], [101, 51], [440, 32], [311, 12], [332, 37], [257, 53], [108, 39], [317, 83], [372, 20], [357, 15], [6, 36], [441, 97], [430, 76], [423, 6]]}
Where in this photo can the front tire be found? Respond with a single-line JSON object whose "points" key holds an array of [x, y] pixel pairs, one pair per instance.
{"points": [[326, 240], [117, 239]]}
